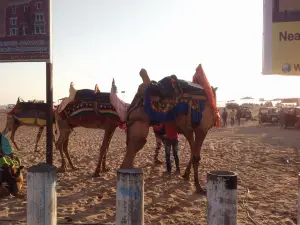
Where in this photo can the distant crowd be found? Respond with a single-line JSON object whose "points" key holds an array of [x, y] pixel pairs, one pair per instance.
{"points": [[234, 116]]}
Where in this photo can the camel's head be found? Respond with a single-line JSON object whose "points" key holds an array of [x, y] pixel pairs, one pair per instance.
{"points": [[114, 88], [146, 82], [11, 173]]}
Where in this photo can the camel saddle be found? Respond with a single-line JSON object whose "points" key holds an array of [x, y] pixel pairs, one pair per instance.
{"points": [[171, 87], [88, 95], [26, 106]]}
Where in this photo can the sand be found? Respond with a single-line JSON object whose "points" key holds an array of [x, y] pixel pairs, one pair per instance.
{"points": [[265, 159]]}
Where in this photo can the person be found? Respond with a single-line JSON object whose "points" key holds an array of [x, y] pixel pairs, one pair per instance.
{"points": [[5, 148], [159, 131], [171, 142], [232, 116], [238, 116], [224, 117]]}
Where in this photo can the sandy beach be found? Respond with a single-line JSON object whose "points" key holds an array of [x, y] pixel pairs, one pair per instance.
{"points": [[264, 157]]}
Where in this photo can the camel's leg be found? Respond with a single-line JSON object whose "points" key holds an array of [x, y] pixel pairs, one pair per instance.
{"points": [[109, 132], [199, 139], [136, 139], [54, 140], [5, 131], [190, 138], [38, 137], [60, 145], [66, 151], [55, 128], [12, 136]]}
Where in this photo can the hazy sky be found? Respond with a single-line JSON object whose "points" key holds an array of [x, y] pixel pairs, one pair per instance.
{"points": [[94, 42]]}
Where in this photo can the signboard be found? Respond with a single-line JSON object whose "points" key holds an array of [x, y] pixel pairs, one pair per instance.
{"points": [[25, 27], [281, 37]]}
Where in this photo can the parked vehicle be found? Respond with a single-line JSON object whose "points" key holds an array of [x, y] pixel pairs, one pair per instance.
{"points": [[289, 117], [246, 113], [268, 115]]}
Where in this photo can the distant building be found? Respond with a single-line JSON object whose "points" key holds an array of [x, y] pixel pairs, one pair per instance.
{"points": [[28, 19]]}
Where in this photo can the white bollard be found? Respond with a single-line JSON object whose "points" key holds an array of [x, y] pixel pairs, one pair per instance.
{"points": [[298, 217], [221, 198], [130, 197], [41, 195]]}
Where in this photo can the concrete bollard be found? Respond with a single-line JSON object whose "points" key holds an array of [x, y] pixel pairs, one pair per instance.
{"points": [[221, 198], [130, 197], [41, 195]]}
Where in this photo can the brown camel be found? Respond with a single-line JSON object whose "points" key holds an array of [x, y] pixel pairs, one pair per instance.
{"points": [[27, 114], [89, 109], [138, 122]]}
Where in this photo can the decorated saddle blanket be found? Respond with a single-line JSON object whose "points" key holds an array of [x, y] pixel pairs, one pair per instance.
{"points": [[90, 110], [166, 99], [30, 113], [84, 95], [166, 110]]}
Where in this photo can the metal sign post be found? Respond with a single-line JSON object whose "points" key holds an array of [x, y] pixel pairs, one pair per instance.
{"points": [[49, 97]]}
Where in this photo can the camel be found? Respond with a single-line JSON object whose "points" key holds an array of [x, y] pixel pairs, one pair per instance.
{"points": [[139, 121], [121, 108], [89, 109], [31, 113]]}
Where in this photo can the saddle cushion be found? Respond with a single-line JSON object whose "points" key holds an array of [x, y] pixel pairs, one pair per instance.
{"points": [[170, 87], [87, 94], [25, 106]]}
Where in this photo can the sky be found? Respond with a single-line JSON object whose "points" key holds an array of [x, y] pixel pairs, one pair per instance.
{"points": [[106, 39]]}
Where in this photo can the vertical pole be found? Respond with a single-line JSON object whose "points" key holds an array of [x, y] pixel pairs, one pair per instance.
{"points": [[221, 198], [298, 216], [49, 131], [130, 197], [41, 195]]}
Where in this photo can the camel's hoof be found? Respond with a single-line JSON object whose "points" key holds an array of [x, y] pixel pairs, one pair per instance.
{"points": [[200, 190], [105, 169], [177, 172], [96, 174], [3, 192], [75, 168], [20, 196], [158, 162], [186, 177], [61, 169]]}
